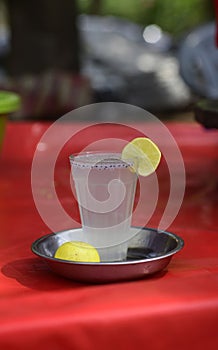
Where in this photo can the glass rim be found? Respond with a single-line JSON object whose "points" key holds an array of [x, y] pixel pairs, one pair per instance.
{"points": [[107, 160]]}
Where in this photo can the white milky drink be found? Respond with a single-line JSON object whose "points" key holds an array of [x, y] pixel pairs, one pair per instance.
{"points": [[105, 189]]}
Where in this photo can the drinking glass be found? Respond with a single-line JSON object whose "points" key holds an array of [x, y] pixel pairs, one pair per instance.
{"points": [[105, 190]]}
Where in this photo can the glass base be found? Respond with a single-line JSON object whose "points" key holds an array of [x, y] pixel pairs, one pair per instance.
{"points": [[115, 253]]}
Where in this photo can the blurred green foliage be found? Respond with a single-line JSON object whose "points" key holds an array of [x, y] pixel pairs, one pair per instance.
{"points": [[173, 16]]}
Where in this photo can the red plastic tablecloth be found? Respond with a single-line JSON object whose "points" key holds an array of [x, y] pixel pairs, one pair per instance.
{"points": [[175, 309]]}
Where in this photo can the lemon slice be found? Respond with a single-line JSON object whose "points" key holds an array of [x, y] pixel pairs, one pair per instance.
{"points": [[77, 251], [146, 154]]}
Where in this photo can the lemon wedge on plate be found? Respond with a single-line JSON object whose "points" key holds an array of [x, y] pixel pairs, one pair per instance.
{"points": [[145, 152], [77, 251]]}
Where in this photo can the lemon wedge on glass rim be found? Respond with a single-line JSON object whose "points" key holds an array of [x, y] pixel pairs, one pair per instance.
{"points": [[77, 251], [145, 152]]}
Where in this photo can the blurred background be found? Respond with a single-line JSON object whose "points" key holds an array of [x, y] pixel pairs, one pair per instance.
{"points": [[60, 55]]}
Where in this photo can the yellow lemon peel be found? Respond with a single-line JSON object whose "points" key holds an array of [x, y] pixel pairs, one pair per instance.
{"points": [[77, 251]]}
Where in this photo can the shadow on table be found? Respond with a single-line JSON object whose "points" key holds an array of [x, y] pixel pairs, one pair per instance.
{"points": [[35, 274]]}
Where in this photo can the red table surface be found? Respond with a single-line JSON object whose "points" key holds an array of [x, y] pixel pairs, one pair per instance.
{"points": [[177, 308]]}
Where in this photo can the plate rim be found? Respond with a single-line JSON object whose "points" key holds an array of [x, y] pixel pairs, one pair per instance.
{"points": [[179, 246]]}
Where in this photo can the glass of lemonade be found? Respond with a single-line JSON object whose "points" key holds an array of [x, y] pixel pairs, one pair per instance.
{"points": [[105, 190]]}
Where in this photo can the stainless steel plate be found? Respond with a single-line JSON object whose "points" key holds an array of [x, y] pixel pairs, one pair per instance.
{"points": [[149, 251]]}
